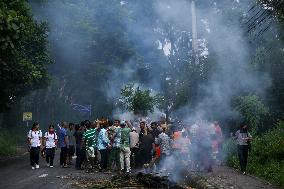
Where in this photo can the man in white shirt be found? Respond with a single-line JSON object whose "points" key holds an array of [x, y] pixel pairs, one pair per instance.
{"points": [[134, 146], [35, 141], [50, 145]]}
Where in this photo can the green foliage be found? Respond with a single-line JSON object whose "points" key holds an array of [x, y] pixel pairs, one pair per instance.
{"points": [[252, 109], [276, 7], [8, 143], [138, 100], [266, 158], [23, 52]]}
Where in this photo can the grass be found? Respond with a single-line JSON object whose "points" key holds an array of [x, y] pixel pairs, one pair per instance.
{"points": [[9, 141]]}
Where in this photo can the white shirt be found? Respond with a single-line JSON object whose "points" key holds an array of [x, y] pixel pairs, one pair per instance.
{"points": [[194, 129], [50, 140], [35, 138], [134, 139]]}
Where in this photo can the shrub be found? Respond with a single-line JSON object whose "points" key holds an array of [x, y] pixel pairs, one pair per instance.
{"points": [[7, 144]]}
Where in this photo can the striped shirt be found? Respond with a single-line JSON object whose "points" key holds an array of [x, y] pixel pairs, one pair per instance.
{"points": [[90, 138]]}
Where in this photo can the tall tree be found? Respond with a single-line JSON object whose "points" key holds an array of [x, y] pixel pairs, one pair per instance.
{"points": [[24, 57]]}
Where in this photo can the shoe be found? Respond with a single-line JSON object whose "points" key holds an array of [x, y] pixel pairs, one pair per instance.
{"points": [[51, 166], [37, 166], [33, 168], [244, 173], [47, 164]]}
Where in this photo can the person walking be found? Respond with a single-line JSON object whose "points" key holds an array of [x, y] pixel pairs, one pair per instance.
{"points": [[35, 142], [50, 141], [243, 138]]}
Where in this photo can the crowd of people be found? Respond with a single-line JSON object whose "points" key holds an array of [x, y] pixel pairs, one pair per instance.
{"points": [[123, 146]]}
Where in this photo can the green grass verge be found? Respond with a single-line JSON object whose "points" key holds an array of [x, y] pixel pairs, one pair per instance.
{"points": [[8, 144], [10, 140]]}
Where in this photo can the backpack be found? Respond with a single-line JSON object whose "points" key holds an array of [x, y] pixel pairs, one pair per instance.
{"points": [[54, 134], [39, 132]]}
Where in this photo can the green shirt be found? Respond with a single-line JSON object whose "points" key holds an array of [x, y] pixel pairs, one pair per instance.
{"points": [[125, 137], [90, 138]]}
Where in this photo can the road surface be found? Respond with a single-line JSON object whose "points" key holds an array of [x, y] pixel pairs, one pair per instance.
{"points": [[17, 174]]}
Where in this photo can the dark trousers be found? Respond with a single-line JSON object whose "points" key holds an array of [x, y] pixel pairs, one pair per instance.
{"points": [[134, 157], [71, 151], [104, 158], [50, 155], [34, 155], [79, 157], [114, 156], [243, 156], [145, 156], [63, 155]]}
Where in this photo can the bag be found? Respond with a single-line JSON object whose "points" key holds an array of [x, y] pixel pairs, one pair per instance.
{"points": [[43, 152], [91, 152]]}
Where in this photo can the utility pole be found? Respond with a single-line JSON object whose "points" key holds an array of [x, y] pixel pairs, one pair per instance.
{"points": [[194, 32]]}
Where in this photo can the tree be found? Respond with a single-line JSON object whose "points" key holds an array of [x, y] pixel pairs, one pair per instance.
{"points": [[275, 6], [24, 57], [140, 101], [252, 109]]}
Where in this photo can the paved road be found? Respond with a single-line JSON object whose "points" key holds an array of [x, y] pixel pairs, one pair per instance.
{"points": [[17, 174], [224, 177]]}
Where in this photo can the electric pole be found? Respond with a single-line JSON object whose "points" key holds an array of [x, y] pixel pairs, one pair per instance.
{"points": [[194, 33]]}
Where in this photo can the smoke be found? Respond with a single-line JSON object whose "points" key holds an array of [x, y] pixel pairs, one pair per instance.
{"points": [[222, 36], [224, 40], [157, 31]]}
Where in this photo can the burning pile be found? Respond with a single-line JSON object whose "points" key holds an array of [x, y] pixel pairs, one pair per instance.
{"points": [[127, 181]]}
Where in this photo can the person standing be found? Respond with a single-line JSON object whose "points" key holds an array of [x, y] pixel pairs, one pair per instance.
{"points": [[217, 140], [50, 139], [115, 138], [134, 147], [63, 144], [125, 146], [103, 145], [35, 142], [165, 144], [243, 138], [71, 139], [89, 139], [155, 132], [145, 148], [78, 134]]}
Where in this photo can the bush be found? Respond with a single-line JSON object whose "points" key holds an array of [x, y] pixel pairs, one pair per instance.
{"points": [[7, 144], [266, 158]]}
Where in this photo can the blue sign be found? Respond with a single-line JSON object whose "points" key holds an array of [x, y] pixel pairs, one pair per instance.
{"points": [[82, 108]]}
